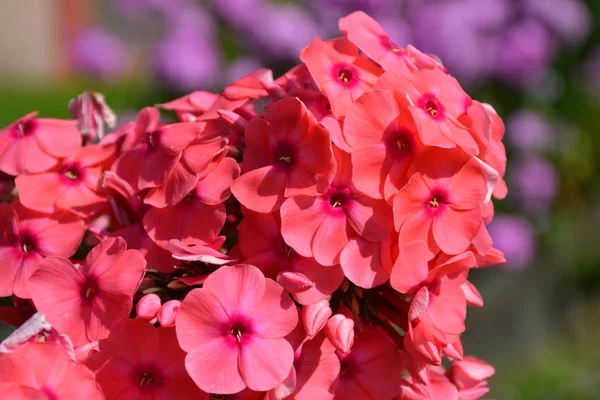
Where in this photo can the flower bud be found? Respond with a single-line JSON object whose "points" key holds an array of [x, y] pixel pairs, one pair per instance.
{"points": [[148, 307], [294, 282], [168, 311], [315, 317], [340, 332]]}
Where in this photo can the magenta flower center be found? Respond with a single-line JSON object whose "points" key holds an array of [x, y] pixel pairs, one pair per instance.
{"points": [[434, 108], [153, 138], [284, 155], [389, 45], [25, 128], [72, 172], [89, 289], [436, 201], [238, 329], [27, 244], [147, 379], [337, 200], [345, 74], [400, 144]]}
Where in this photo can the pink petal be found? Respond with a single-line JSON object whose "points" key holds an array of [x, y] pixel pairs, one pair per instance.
{"points": [[411, 199], [23, 155], [301, 216], [418, 227], [363, 263], [58, 138], [179, 183], [260, 190], [369, 117], [156, 168], [411, 269], [175, 137], [40, 192], [213, 365], [264, 363], [200, 318], [370, 169], [240, 288], [198, 156], [372, 219], [275, 315], [454, 230], [330, 239], [215, 187], [468, 188], [326, 279]]}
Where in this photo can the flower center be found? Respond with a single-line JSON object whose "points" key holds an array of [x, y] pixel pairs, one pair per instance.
{"points": [[337, 200], [147, 379], [153, 138], [345, 75], [237, 330], [436, 201], [389, 45], [27, 245], [284, 155], [25, 128], [72, 173], [89, 289], [431, 108]]}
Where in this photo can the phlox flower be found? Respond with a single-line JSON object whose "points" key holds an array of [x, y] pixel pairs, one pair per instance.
{"points": [[38, 371], [189, 107], [74, 185], [436, 103], [262, 245], [203, 203], [28, 237], [233, 330], [143, 362], [371, 369], [442, 203], [89, 301], [384, 142], [92, 113], [368, 264], [34, 145], [157, 258], [155, 150], [287, 154], [321, 226], [470, 375], [339, 71], [370, 37]]}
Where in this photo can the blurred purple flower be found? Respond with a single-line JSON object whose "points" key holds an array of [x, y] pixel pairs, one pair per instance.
{"points": [[528, 131], [526, 51], [97, 52], [535, 183], [243, 15], [570, 19], [188, 62], [141, 8], [515, 237], [240, 68], [284, 30]]}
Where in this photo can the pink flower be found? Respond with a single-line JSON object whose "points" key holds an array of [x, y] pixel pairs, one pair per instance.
{"points": [[321, 226], [340, 73], [371, 370], [45, 371], [73, 186], [148, 307], [90, 301], [287, 154], [262, 245], [34, 145], [442, 203], [204, 202], [91, 112], [143, 362], [155, 151], [28, 237], [315, 317], [470, 375], [233, 331], [436, 102], [340, 332], [384, 142]]}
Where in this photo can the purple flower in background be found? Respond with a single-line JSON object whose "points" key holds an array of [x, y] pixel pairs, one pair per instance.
{"points": [[97, 52], [528, 131], [241, 14], [240, 68], [535, 183], [140, 8], [570, 19], [526, 51], [515, 237], [188, 62]]}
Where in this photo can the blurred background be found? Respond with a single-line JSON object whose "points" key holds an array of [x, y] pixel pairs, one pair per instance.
{"points": [[536, 61]]}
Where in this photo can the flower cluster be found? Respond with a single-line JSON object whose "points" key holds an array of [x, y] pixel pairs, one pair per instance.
{"points": [[306, 237]]}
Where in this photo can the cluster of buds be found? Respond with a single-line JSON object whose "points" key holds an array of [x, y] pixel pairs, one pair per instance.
{"points": [[305, 237]]}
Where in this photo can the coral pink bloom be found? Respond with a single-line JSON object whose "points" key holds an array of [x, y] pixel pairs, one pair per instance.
{"points": [[436, 101], [90, 301], [470, 375], [189, 107], [439, 301], [371, 370], [315, 372], [367, 264], [27, 238], [441, 204], [262, 245], [233, 330], [488, 130], [204, 203], [143, 362], [287, 154], [73, 186], [250, 86], [156, 150], [33, 145], [321, 226], [45, 371], [384, 140], [371, 38], [340, 73]]}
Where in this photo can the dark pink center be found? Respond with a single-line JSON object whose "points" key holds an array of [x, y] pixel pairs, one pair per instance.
{"points": [[345, 74], [400, 144], [27, 243], [337, 198], [389, 45], [89, 290], [153, 138], [432, 106], [284, 155], [438, 201], [238, 329], [24, 128], [146, 378], [72, 172]]}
